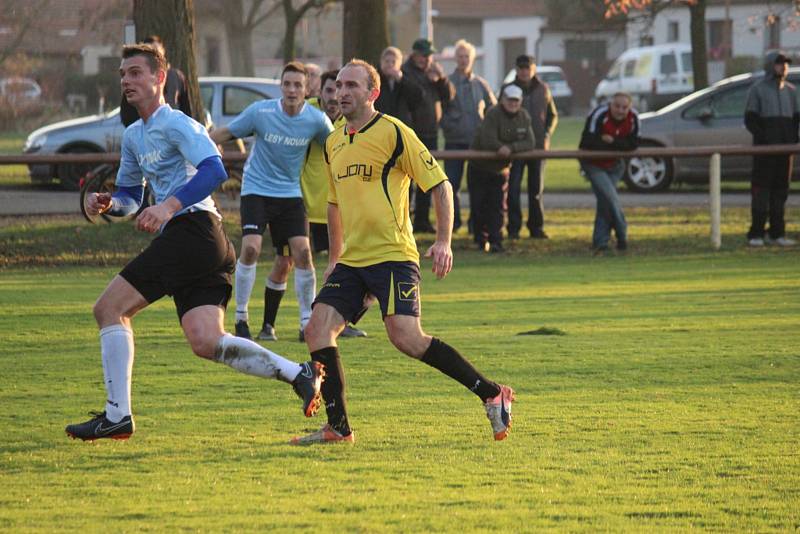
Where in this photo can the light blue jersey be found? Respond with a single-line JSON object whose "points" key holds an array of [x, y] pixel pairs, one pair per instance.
{"points": [[276, 160], [165, 151]]}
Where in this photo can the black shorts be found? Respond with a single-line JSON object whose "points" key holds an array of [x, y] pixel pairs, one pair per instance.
{"points": [[192, 260], [319, 236], [394, 283], [286, 217]]}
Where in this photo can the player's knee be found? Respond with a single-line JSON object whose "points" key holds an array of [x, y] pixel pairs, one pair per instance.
{"points": [[250, 254], [302, 258], [202, 345]]}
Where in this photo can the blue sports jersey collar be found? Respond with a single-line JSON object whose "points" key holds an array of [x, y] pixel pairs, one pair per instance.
{"points": [[291, 117]]}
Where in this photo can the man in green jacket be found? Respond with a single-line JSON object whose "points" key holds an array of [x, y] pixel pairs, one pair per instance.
{"points": [[505, 129]]}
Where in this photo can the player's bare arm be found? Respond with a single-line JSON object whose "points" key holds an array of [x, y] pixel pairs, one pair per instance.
{"points": [[220, 135], [441, 251]]}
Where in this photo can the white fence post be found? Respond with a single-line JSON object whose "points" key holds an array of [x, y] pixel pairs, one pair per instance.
{"points": [[715, 200]]}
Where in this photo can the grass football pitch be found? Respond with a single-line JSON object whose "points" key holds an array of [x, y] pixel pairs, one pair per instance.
{"points": [[655, 391]]}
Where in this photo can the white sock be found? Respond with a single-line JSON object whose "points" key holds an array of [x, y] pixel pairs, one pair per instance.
{"points": [[253, 359], [305, 287], [245, 279], [116, 348]]}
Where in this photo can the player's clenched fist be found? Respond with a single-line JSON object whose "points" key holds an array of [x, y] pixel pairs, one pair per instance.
{"points": [[98, 203]]}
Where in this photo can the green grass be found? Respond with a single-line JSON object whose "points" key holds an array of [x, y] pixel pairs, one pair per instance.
{"points": [[668, 402], [13, 176]]}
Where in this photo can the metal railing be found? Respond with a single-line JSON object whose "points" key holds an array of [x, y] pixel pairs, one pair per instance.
{"points": [[714, 153]]}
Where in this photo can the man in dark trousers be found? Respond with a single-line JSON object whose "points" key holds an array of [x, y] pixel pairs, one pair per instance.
{"points": [[612, 126], [505, 129], [538, 102], [437, 92], [771, 116]]}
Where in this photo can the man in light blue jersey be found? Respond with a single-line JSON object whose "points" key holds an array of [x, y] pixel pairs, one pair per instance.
{"points": [[190, 259], [271, 196]]}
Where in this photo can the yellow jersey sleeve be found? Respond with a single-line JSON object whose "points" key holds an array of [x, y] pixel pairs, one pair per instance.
{"points": [[329, 175], [417, 162]]}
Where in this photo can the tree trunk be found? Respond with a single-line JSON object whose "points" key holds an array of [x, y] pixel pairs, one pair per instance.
{"points": [[173, 21], [697, 28], [240, 46], [369, 16]]}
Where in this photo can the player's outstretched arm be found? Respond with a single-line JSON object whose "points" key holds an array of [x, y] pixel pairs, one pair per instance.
{"points": [[220, 135], [441, 251]]}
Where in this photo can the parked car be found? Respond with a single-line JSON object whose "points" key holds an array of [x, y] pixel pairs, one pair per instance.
{"points": [[20, 96], [555, 79], [653, 75], [223, 97], [711, 116]]}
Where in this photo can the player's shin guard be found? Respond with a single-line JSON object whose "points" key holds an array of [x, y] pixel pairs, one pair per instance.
{"points": [[116, 348], [253, 359], [446, 359], [305, 286], [333, 389], [245, 278]]}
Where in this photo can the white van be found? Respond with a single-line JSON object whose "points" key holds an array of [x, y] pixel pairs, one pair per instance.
{"points": [[654, 75]]}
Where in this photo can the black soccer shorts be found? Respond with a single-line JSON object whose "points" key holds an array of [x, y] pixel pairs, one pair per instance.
{"points": [[394, 283], [192, 260], [286, 217]]}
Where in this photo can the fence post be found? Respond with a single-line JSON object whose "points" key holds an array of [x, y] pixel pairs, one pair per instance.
{"points": [[715, 200]]}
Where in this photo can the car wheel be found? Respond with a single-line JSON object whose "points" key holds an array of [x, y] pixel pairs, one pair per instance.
{"points": [[648, 174], [70, 174]]}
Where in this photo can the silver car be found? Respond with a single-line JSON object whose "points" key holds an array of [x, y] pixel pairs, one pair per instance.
{"points": [[223, 97], [711, 116]]}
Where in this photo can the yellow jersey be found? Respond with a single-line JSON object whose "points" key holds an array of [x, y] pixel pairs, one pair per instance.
{"points": [[314, 179], [369, 172]]}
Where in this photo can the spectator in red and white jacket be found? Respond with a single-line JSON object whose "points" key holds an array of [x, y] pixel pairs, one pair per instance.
{"points": [[612, 126]]}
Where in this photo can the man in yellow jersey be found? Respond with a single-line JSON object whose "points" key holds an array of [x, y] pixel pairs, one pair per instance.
{"points": [[314, 180], [371, 162]]}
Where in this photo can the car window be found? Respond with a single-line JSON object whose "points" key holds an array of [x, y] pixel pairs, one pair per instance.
{"points": [[235, 99], [643, 66], [550, 77], [669, 65], [630, 67], [686, 62], [613, 72], [206, 94], [730, 104]]}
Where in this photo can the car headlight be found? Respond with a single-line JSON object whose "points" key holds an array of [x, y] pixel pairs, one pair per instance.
{"points": [[34, 142]]}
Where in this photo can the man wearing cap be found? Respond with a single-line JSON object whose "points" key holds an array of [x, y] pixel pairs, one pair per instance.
{"points": [[538, 102], [772, 117], [437, 92], [505, 129]]}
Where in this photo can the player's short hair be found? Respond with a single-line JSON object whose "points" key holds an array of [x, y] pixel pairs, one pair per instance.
{"points": [[623, 94], [328, 75], [153, 39], [155, 59], [392, 51], [466, 45], [373, 78], [294, 66]]}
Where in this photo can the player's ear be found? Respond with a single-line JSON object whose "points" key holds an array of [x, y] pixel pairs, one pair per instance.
{"points": [[161, 75], [374, 94]]}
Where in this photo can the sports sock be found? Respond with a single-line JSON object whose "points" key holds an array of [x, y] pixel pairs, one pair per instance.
{"points": [[245, 279], [273, 293], [305, 287], [446, 359], [116, 349], [253, 359], [333, 388]]}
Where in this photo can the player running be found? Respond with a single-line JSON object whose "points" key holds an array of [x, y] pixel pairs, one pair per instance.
{"points": [[371, 162], [190, 259]]}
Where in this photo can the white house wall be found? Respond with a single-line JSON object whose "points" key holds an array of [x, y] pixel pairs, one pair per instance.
{"points": [[495, 30]]}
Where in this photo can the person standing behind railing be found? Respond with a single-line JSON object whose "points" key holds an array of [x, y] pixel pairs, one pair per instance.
{"points": [[463, 116], [771, 116], [612, 126]]}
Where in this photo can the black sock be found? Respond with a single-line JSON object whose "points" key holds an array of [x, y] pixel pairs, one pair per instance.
{"points": [[333, 388], [446, 359], [272, 301]]}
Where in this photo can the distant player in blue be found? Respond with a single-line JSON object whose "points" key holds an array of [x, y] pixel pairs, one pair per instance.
{"points": [[271, 196], [190, 259]]}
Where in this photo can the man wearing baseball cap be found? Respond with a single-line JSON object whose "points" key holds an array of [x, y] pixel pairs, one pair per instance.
{"points": [[772, 117], [538, 102]]}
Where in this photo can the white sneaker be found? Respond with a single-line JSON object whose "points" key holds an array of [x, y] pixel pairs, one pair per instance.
{"points": [[785, 242], [756, 242]]}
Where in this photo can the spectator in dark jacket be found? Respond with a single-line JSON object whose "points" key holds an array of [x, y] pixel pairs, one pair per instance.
{"points": [[505, 130], [437, 92], [611, 126], [463, 116], [399, 95], [771, 116], [539, 103], [176, 92]]}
